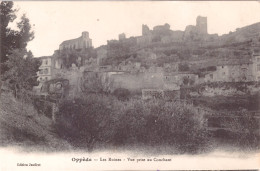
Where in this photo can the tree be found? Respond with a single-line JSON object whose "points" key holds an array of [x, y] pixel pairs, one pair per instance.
{"points": [[22, 73], [18, 68], [184, 67], [7, 14], [12, 39], [94, 82]]}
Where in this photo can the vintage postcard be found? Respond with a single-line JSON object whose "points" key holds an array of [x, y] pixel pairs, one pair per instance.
{"points": [[130, 85]]}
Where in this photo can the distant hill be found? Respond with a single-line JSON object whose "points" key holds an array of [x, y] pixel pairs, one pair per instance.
{"points": [[247, 33]]}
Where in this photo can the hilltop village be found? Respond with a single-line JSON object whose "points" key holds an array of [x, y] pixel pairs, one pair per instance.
{"points": [[160, 59]]}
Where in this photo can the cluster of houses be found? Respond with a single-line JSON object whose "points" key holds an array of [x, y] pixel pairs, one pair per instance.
{"points": [[134, 76]]}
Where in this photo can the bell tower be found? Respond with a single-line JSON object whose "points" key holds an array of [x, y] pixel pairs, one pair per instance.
{"points": [[85, 34]]}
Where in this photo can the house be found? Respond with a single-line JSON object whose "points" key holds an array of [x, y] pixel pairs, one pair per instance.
{"points": [[232, 70], [256, 66], [46, 69]]}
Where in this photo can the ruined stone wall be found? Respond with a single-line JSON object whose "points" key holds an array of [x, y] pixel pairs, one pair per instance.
{"points": [[256, 67], [138, 81], [73, 75], [201, 24], [145, 30]]}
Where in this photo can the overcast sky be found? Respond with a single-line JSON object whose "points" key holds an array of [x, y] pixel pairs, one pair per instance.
{"points": [[55, 21]]}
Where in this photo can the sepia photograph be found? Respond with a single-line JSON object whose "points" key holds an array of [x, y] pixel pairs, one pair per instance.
{"points": [[130, 85]]}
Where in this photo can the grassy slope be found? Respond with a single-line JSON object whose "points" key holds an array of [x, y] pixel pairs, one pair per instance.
{"points": [[22, 126]]}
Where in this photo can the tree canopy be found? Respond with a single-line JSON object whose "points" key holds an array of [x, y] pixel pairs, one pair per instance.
{"points": [[12, 39], [18, 67], [22, 75]]}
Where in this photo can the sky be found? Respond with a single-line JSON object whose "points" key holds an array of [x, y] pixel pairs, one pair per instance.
{"points": [[56, 21]]}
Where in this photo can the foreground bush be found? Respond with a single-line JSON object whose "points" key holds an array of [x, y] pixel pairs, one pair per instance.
{"points": [[85, 121], [98, 119], [122, 93]]}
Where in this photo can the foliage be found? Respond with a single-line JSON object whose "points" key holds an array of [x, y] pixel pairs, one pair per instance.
{"points": [[21, 124], [12, 39], [94, 82], [18, 69], [245, 127], [97, 119], [161, 60], [188, 81], [7, 16], [122, 93], [77, 57], [22, 75], [85, 121], [184, 67]]}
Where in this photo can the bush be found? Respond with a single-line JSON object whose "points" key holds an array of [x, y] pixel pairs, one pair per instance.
{"points": [[85, 121], [122, 93], [96, 120], [184, 67], [176, 124]]}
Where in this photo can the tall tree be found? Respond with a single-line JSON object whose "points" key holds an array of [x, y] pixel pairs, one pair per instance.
{"points": [[7, 14], [22, 73], [18, 67], [12, 39]]}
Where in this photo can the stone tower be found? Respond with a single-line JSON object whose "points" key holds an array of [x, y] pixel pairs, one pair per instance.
{"points": [[85, 34], [145, 30], [121, 36], [201, 24]]}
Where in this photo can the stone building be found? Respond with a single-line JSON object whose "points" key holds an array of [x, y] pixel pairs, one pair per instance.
{"points": [[101, 54], [145, 30], [238, 70], [201, 24], [161, 28], [143, 40], [198, 32], [121, 36], [256, 66], [46, 69], [82, 42]]}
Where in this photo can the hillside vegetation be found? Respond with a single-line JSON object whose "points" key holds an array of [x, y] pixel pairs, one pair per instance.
{"points": [[21, 125]]}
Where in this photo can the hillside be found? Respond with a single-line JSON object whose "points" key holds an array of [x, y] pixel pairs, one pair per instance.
{"points": [[21, 125], [235, 45]]}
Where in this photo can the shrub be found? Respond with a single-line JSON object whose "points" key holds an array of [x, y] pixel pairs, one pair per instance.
{"points": [[184, 67], [176, 124], [85, 121], [95, 119], [122, 93], [244, 129]]}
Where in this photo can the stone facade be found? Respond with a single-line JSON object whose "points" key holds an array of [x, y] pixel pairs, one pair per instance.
{"points": [[140, 67], [198, 32], [161, 28], [256, 67], [82, 42], [145, 30], [121, 36], [201, 24], [231, 73], [46, 69]]}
